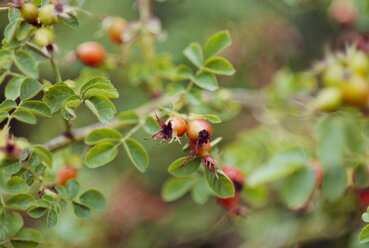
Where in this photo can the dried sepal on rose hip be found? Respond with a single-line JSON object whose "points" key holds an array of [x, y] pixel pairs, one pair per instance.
{"points": [[232, 204], [199, 130], [174, 128], [203, 152], [198, 133], [10, 148]]}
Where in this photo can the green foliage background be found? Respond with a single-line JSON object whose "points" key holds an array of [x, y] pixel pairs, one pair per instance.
{"points": [[267, 36]]}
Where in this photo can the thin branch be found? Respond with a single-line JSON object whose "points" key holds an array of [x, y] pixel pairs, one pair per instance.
{"points": [[56, 71], [80, 133], [249, 98]]}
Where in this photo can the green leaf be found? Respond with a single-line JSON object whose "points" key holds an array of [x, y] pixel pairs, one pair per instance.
{"points": [[81, 210], [102, 108], [48, 198], [36, 107], [364, 235], [97, 81], [24, 244], [29, 234], [183, 73], [200, 192], [16, 185], [331, 141], [361, 176], [217, 43], [212, 118], [38, 55], [23, 31], [194, 53], [93, 199], [69, 105], [219, 66], [13, 223], [8, 105], [71, 22], [12, 89], [174, 188], [281, 165], [52, 218], [187, 169], [3, 76], [26, 175], [151, 126], [6, 59], [26, 63], [29, 88], [101, 90], [44, 154], [72, 188], [128, 117], [20, 201], [137, 154], [24, 116], [10, 165], [206, 80], [13, 14], [216, 141], [61, 191], [56, 96], [37, 212], [174, 89], [255, 196], [365, 217], [222, 187], [101, 154], [3, 116], [353, 133], [334, 182], [297, 188], [10, 30], [102, 135]]}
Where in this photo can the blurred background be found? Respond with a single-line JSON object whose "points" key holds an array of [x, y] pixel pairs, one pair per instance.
{"points": [[272, 39]]}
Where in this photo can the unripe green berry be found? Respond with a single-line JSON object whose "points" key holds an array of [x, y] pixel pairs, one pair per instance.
{"points": [[328, 99], [47, 15], [44, 37], [359, 63], [29, 12], [334, 75]]}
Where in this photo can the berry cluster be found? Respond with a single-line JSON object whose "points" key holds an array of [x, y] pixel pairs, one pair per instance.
{"points": [[43, 19], [92, 53], [198, 132], [345, 79]]}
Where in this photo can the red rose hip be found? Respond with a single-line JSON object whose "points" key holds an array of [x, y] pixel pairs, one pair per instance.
{"points": [[202, 151], [91, 53], [65, 174], [194, 128], [116, 30], [178, 125]]}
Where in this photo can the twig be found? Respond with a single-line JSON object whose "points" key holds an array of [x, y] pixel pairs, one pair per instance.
{"points": [[80, 133]]}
